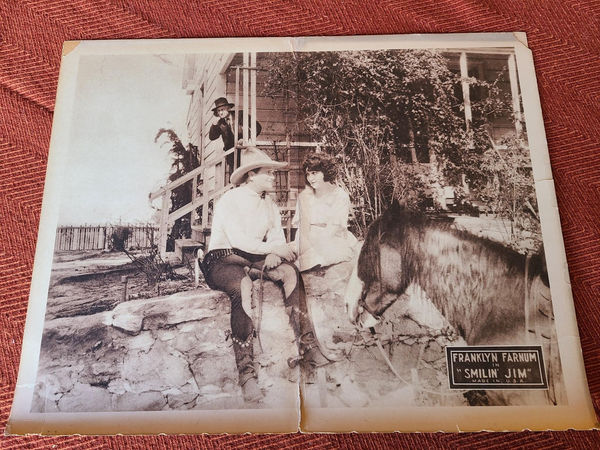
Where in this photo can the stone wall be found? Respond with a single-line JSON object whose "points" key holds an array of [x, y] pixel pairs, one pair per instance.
{"points": [[162, 353]]}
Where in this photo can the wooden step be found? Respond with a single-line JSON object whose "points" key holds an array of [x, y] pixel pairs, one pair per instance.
{"points": [[186, 248]]}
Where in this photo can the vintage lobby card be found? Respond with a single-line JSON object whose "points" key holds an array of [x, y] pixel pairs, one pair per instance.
{"points": [[317, 234]]}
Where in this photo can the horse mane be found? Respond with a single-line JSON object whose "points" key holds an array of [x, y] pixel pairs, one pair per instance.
{"points": [[389, 229]]}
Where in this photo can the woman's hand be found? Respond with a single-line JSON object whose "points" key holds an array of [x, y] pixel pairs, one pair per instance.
{"points": [[272, 261], [285, 251]]}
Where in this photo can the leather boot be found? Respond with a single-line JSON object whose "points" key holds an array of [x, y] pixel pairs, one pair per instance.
{"points": [[309, 352], [244, 360]]}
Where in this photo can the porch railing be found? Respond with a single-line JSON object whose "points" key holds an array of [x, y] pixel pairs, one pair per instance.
{"points": [[217, 163]]}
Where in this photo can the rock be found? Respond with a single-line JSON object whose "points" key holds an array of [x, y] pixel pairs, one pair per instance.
{"points": [[101, 368], [155, 320], [99, 374], [58, 380], [405, 325], [167, 335], [351, 394], [215, 368], [211, 393], [325, 294], [433, 352], [187, 327], [172, 391], [48, 391], [404, 395], [170, 352], [128, 323], [181, 401], [183, 398], [187, 341], [143, 401], [119, 386], [409, 341], [85, 398], [163, 312], [141, 347], [81, 332], [329, 280], [142, 342], [159, 369]]}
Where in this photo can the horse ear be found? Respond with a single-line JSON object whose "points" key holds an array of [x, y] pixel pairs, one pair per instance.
{"points": [[394, 209]]}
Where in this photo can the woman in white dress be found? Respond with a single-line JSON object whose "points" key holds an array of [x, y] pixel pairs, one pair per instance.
{"points": [[321, 217]]}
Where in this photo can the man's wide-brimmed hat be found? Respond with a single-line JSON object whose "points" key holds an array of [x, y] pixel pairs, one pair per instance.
{"points": [[221, 101], [252, 158]]}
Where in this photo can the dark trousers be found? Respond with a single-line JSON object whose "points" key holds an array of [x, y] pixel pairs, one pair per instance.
{"points": [[226, 275]]}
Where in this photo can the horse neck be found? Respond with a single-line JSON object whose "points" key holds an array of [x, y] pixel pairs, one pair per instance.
{"points": [[478, 285]]}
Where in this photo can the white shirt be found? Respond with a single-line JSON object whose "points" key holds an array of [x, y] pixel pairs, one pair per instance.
{"points": [[330, 209], [244, 220]]}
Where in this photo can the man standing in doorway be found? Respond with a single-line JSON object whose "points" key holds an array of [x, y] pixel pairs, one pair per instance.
{"points": [[223, 127]]}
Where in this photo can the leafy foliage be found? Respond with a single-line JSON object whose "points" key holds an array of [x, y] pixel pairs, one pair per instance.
{"points": [[509, 192], [185, 159], [153, 267], [395, 120]]}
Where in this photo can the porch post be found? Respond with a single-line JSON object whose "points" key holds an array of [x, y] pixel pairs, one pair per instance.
{"points": [[194, 215], [245, 94], [464, 75], [253, 97], [514, 90], [163, 228], [237, 105]]}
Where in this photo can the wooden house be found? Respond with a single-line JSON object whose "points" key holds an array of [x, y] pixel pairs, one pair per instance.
{"points": [[240, 77]]}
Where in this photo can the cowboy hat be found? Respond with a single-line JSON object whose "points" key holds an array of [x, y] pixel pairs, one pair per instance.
{"points": [[221, 101], [252, 158]]}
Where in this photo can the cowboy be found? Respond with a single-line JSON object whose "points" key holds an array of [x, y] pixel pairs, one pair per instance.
{"points": [[247, 234]]}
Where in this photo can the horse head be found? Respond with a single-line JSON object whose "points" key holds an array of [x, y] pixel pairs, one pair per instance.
{"points": [[375, 282]]}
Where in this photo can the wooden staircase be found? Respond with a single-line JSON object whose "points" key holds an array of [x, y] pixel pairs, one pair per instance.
{"points": [[205, 191]]}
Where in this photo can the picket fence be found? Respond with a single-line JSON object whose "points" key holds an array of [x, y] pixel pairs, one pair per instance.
{"points": [[72, 238]]}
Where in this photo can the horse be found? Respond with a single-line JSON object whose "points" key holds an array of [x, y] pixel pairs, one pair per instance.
{"points": [[489, 293]]}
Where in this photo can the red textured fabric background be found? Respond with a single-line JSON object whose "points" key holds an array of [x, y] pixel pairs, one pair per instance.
{"points": [[564, 36]]}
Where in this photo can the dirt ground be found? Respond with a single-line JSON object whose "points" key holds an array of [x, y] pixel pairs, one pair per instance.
{"points": [[87, 282]]}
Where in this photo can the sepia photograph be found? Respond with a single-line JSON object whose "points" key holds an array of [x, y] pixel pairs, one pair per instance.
{"points": [[328, 230]]}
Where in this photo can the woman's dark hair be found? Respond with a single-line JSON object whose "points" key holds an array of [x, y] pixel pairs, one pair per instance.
{"points": [[321, 162]]}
